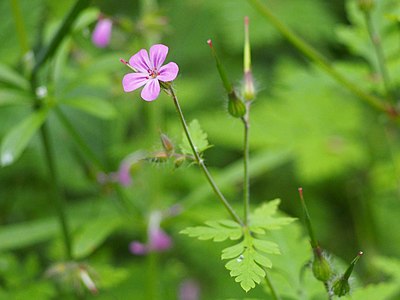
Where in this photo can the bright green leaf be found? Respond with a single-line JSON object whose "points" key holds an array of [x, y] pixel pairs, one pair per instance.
{"points": [[262, 218], [216, 230], [199, 138], [94, 106], [18, 138]]}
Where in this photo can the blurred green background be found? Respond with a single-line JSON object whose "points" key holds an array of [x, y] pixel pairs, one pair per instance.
{"points": [[306, 130]]}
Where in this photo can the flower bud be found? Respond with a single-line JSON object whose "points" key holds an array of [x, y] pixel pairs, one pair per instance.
{"points": [[179, 161], [366, 5], [341, 287], [248, 86], [341, 284], [320, 266], [236, 107], [102, 32], [167, 144]]}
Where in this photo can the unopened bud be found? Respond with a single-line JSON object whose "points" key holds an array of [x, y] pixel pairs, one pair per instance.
{"points": [[167, 144], [366, 5], [248, 85], [236, 107], [320, 266], [341, 285], [179, 161]]}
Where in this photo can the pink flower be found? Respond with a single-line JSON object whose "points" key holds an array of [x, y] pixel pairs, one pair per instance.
{"points": [[159, 240], [102, 32], [149, 71]]}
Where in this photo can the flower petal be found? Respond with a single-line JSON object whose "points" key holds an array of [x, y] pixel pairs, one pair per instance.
{"points": [[140, 61], [158, 53], [102, 33], [138, 248], [168, 72], [151, 90], [132, 81]]}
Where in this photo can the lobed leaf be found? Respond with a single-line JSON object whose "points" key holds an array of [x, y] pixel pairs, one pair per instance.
{"points": [[218, 231], [199, 138]]}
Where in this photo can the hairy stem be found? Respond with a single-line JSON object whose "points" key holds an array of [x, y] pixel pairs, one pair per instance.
{"points": [[55, 190], [319, 59], [272, 288], [246, 176], [200, 161]]}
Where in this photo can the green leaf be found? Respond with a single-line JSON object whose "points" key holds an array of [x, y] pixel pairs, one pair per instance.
{"points": [[218, 231], [199, 138], [246, 267], [94, 106], [18, 138], [9, 76], [14, 97], [93, 235], [262, 218]]}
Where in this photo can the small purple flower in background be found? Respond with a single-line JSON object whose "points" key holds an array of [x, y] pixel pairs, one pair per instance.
{"points": [[158, 239], [149, 71], [102, 32], [189, 290]]}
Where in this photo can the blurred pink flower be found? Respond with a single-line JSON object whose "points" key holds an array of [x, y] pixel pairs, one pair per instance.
{"points": [[102, 32], [149, 71], [189, 290], [158, 239]]}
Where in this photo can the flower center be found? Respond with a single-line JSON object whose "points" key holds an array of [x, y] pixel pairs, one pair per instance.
{"points": [[153, 73]]}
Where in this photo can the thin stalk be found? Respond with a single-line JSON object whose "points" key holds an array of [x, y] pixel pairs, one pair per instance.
{"points": [[246, 157], [376, 42], [20, 26], [274, 293], [200, 161], [319, 59], [55, 190]]}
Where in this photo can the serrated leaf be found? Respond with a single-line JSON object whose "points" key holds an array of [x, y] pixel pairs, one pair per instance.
{"points": [[94, 106], [199, 138], [218, 231], [18, 138], [244, 267], [233, 251], [266, 246], [262, 218]]}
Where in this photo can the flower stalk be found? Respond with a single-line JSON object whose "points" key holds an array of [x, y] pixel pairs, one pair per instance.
{"points": [[200, 160]]}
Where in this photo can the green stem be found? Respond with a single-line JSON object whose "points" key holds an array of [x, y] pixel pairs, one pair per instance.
{"points": [[274, 294], [376, 42], [61, 33], [20, 26], [246, 176], [318, 58], [55, 190], [200, 161]]}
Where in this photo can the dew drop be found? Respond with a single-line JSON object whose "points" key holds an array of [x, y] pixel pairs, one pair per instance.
{"points": [[7, 158], [240, 258]]}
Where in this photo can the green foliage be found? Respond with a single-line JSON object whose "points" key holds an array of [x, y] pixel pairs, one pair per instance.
{"points": [[217, 231], [94, 106], [248, 257], [18, 138], [199, 138]]}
